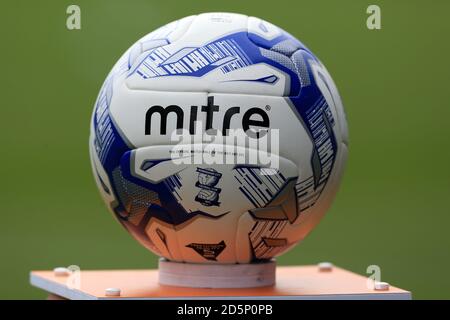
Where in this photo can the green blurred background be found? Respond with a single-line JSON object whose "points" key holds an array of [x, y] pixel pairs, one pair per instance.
{"points": [[393, 206]]}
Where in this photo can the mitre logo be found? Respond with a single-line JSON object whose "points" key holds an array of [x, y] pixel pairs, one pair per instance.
{"points": [[253, 119]]}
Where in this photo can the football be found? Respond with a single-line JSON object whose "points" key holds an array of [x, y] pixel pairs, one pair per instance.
{"points": [[218, 138]]}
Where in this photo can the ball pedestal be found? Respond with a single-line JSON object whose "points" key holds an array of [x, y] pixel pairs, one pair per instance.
{"points": [[193, 275]]}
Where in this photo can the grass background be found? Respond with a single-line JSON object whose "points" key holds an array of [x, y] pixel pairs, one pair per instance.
{"points": [[392, 209]]}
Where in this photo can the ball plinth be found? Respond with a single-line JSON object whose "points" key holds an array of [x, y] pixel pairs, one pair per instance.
{"points": [[196, 275]]}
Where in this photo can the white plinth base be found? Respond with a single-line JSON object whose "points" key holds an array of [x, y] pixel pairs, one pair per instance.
{"points": [[216, 276]]}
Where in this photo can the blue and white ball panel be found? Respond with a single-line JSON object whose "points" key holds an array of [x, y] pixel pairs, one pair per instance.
{"points": [[154, 165]]}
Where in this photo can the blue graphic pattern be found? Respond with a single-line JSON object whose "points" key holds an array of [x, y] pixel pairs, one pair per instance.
{"points": [[272, 79], [224, 53], [258, 188], [107, 141], [229, 53], [316, 115]]}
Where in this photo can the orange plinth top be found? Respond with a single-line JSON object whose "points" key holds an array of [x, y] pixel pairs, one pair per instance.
{"points": [[299, 282]]}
